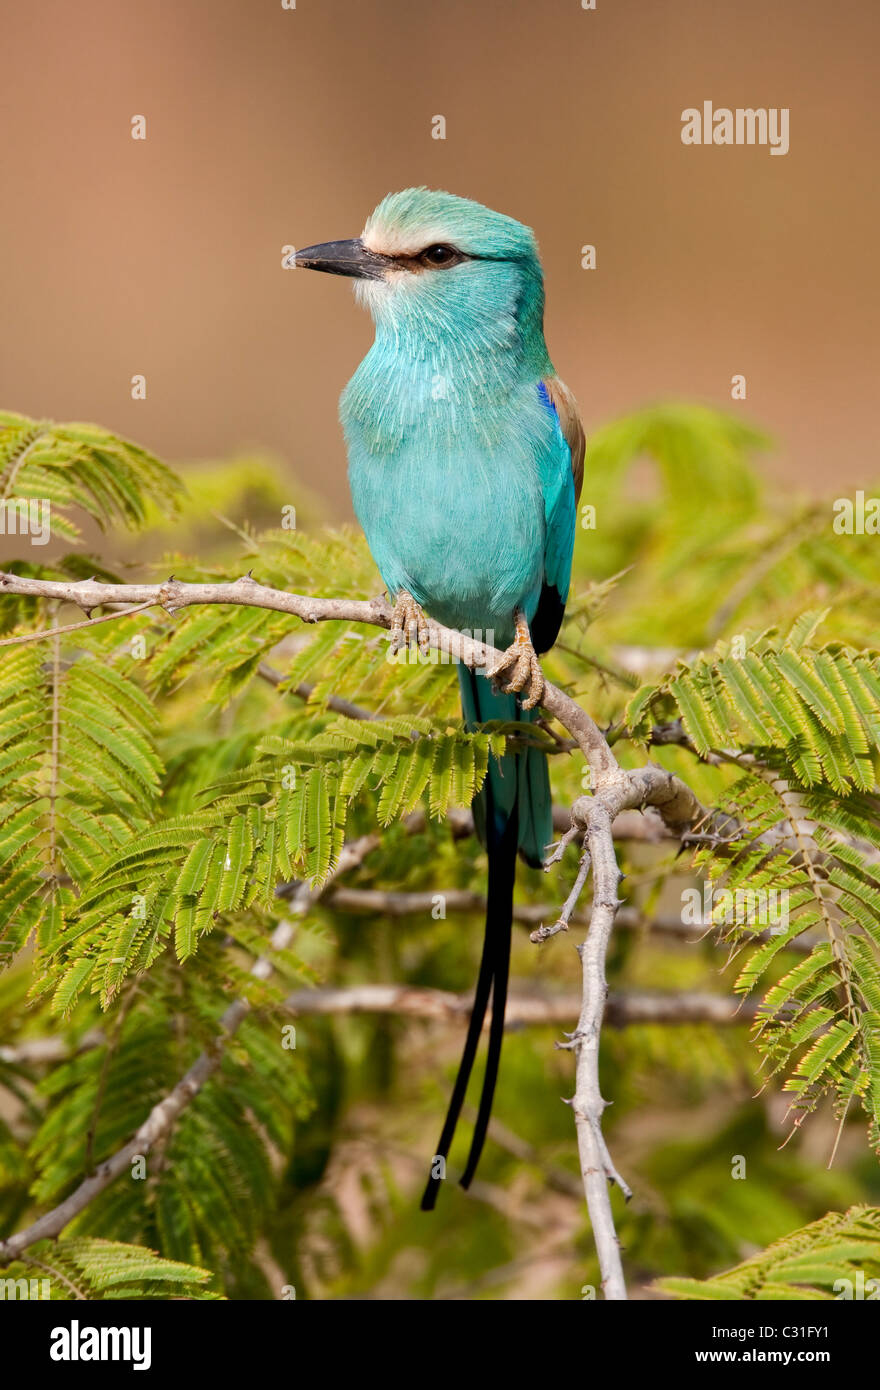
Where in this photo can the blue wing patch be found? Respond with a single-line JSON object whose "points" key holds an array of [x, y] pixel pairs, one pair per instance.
{"points": [[560, 515]]}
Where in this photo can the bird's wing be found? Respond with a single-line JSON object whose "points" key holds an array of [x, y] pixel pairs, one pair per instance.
{"points": [[566, 409], [561, 466]]}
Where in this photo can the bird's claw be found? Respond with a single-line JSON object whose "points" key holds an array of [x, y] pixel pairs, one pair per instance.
{"points": [[519, 673], [409, 624]]}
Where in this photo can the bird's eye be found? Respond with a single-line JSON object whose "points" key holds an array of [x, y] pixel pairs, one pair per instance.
{"points": [[436, 256]]}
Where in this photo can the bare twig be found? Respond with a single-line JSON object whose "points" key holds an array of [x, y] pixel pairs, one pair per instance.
{"points": [[543, 933], [614, 791], [380, 902], [305, 690], [35, 1051], [246, 591], [523, 1010], [597, 1169], [71, 627]]}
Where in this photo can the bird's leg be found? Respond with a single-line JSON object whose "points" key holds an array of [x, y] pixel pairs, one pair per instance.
{"points": [[408, 623], [519, 671]]}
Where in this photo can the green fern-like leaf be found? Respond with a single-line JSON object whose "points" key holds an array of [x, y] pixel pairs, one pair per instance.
{"points": [[78, 770], [81, 467], [837, 1257]]}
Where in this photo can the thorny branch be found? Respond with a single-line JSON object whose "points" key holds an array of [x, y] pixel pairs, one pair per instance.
{"points": [[524, 1010], [614, 791]]}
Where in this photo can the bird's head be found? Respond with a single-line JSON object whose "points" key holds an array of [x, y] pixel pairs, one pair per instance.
{"points": [[428, 261]]}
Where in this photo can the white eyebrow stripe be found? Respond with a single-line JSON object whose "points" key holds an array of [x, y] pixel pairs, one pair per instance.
{"points": [[391, 241]]}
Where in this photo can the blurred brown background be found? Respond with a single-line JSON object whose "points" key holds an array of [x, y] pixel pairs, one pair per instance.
{"points": [[268, 126]]}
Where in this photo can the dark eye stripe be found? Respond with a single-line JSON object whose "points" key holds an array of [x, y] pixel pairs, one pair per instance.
{"points": [[424, 260], [414, 259]]}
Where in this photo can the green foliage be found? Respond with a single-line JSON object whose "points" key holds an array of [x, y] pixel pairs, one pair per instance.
{"points": [[81, 467], [804, 723], [79, 771], [204, 1195], [173, 788], [283, 817], [815, 708], [700, 455], [704, 552], [87, 1268], [837, 1257]]}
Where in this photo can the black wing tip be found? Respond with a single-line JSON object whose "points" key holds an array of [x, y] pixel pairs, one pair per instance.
{"points": [[547, 621]]}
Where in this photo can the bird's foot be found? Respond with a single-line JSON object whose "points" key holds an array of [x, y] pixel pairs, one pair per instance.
{"points": [[408, 624], [519, 670]]}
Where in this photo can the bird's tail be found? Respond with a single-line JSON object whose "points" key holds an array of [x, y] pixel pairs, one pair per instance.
{"points": [[512, 812]]}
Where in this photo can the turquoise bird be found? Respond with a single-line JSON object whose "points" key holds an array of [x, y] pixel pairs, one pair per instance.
{"points": [[465, 463]]}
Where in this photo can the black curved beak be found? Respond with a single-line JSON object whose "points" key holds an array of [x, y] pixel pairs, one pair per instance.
{"points": [[344, 258]]}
